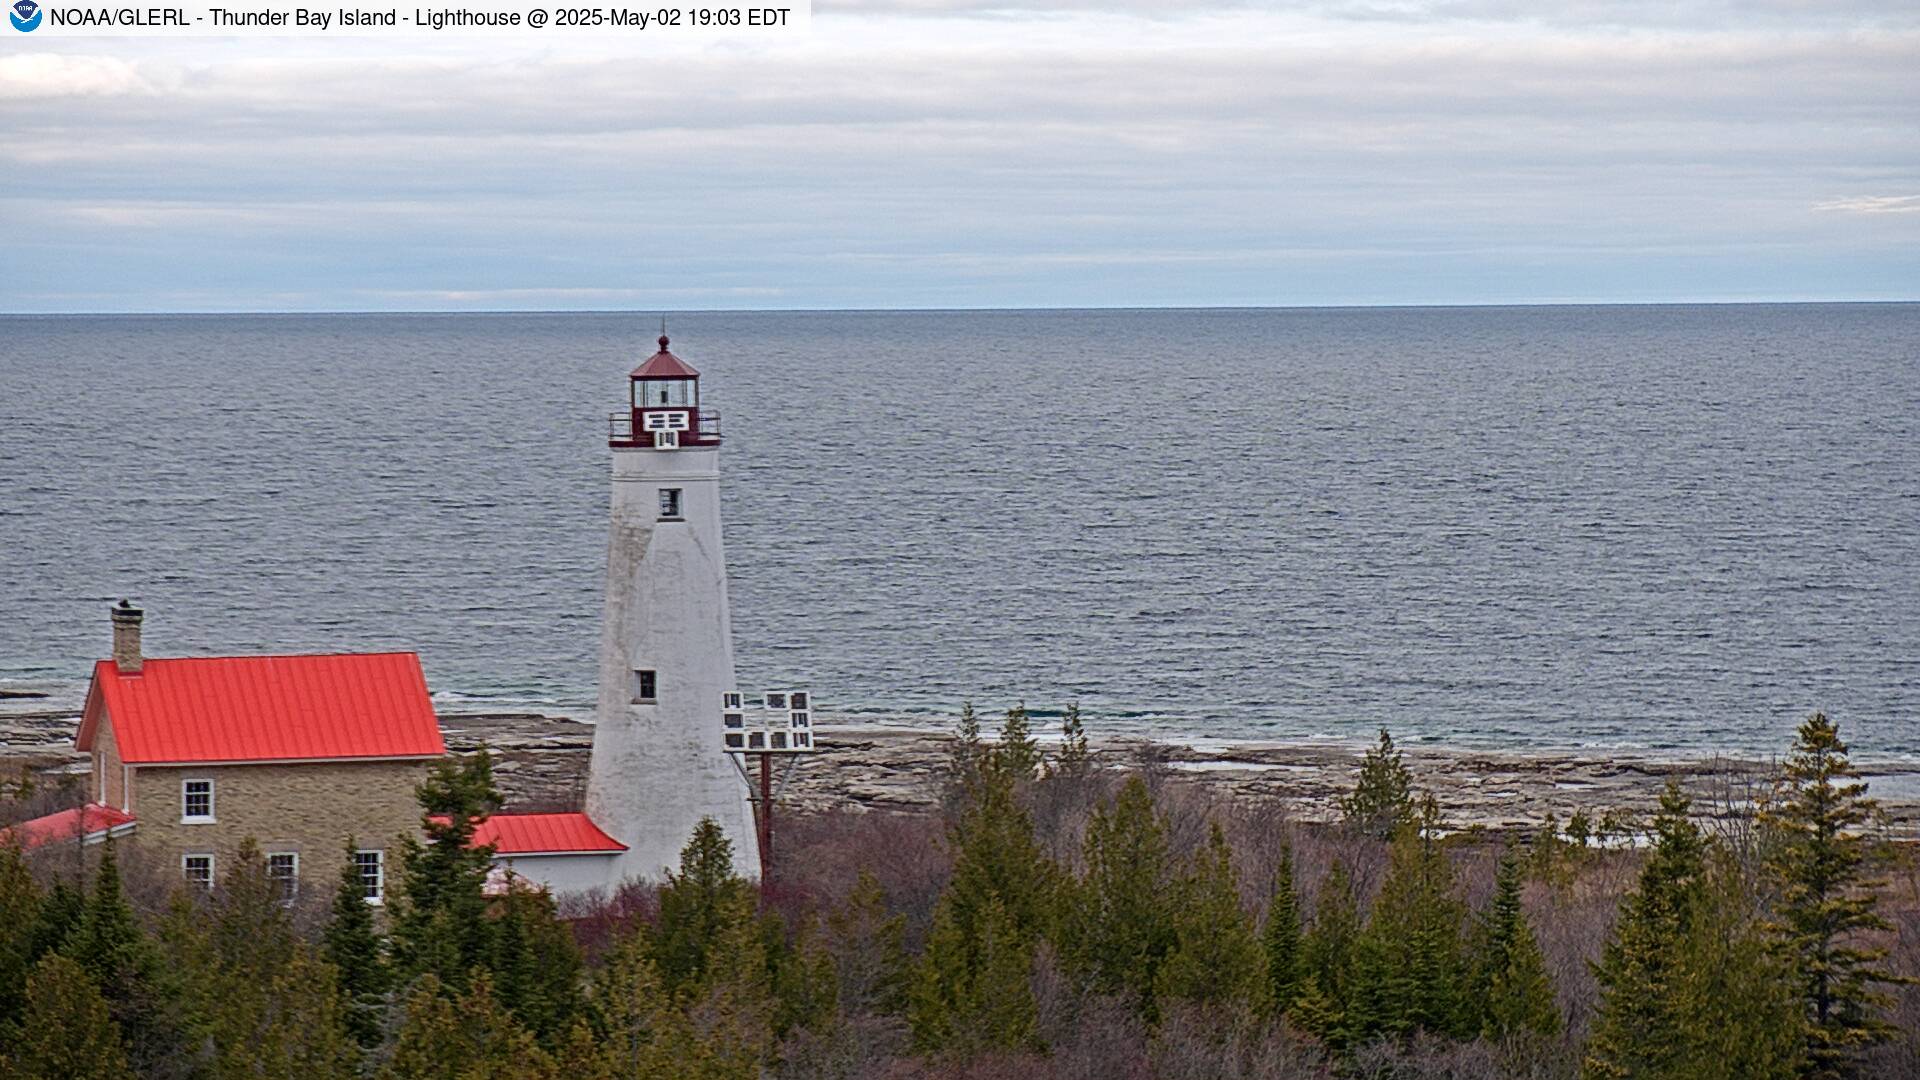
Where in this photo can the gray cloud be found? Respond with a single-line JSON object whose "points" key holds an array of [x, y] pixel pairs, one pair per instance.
{"points": [[1212, 154]]}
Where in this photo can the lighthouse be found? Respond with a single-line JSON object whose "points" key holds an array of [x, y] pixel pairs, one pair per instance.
{"points": [[666, 649]]}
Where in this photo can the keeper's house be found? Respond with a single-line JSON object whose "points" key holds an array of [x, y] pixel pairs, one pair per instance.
{"points": [[192, 757]]}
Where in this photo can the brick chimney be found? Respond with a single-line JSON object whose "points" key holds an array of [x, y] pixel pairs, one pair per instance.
{"points": [[126, 638]]}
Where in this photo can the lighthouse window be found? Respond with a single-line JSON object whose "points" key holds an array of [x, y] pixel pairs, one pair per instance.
{"points": [[669, 502], [644, 687]]}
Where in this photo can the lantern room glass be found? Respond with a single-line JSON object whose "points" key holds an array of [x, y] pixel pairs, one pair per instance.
{"points": [[665, 393]]}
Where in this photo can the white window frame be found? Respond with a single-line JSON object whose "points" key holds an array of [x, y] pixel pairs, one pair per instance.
{"points": [[642, 676], [207, 818], [673, 504], [292, 891], [378, 897], [187, 873]]}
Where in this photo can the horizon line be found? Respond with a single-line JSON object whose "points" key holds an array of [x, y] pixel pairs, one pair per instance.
{"points": [[1389, 306]]}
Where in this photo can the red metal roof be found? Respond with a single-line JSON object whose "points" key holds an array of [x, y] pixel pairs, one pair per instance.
{"points": [[664, 365], [85, 822], [544, 834], [265, 708]]}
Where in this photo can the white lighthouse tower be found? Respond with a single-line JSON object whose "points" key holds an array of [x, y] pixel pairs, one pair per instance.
{"points": [[666, 651]]}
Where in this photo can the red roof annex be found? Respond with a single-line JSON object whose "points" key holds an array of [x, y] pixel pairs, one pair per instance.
{"points": [[264, 708], [81, 823], [544, 834]]}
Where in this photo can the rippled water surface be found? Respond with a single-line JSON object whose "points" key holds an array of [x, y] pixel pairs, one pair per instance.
{"points": [[1669, 527]]}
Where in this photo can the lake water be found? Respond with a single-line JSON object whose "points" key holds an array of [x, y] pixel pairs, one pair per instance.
{"points": [[1667, 528]]}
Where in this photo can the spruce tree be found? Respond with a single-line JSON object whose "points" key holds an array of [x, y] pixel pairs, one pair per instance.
{"points": [[997, 856], [1688, 991], [1409, 966], [971, 993], [1074, 761], [1216, 960], [1281, 937], [1826, 915], [352, 943], [20, 906], [1740, 1014], [473, 1038], [966, 755], [113, 948], [1641, 1021], [439, 912], [1017, 754], [1326, 985], [1121, 922], [1381, 803], [644, 1033], [65, 1032], [699, 904], [535, 963], [1512, 992], [60, 914], [868, 946], [109, 943], [257, 1000]]}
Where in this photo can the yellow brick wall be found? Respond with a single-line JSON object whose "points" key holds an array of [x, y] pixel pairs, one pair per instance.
{"points": [[309, 809]]}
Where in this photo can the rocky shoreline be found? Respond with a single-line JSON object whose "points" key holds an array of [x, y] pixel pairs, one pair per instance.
{"points": [[541, 763]]}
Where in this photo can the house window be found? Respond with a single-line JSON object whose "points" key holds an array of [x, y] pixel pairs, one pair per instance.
{"points": [[644, 687], [373, 875], [670, 502], [283, 870], [196, 801], [198, 870]]}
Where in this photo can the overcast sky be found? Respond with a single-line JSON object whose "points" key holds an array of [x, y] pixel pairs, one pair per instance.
{"points": [[941, 153]]}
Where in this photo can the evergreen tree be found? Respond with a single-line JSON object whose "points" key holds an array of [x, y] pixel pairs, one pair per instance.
{"points": [[1281, 938], [473, 1038], [1740, 1014], [1511, 989], [1409, 965], [1216, 960], [869, 950], [1640, 1024], [536, 964], [1820, 864], [1121, 923], [998, 903], [1326, 985], [1381, 803], [1075, 760], [966, 756], [1017, 754], [20, 906], [65, 1030], [258, 1001], [971, 991], [733, 1007], [60, 914], [800, 975], [997, 857], [109, 944], [114, 950], [439, 912], [644, 1034], [698, 905], [1687, 990], [353, 945]]}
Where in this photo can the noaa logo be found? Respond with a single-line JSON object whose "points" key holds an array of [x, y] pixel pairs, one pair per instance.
{"points": [[26, 15]]}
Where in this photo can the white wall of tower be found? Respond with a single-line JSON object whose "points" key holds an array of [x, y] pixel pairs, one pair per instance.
{"points": [[658, 768]]}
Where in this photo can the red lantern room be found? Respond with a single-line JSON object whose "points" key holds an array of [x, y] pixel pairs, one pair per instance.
{"points": [[663, 408]]}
